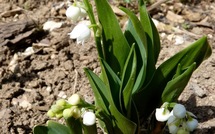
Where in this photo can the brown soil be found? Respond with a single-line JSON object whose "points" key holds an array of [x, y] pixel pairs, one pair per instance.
{"points": [[56, 71]]}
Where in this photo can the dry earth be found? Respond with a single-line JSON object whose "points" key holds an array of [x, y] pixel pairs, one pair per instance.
{"points": [[31, 83]]}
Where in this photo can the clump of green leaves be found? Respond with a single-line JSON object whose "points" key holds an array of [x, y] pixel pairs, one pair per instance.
{"points": [[130, 87]]}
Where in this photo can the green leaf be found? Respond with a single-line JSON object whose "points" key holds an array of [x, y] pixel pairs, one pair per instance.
{"points": [[100, 90], [40, 129], [52, 128], [149, 97], [128, 80], [175, 87], [121, 125], [134, 34], [151, 32], [153, 41], [112, 37], [112, 81]]}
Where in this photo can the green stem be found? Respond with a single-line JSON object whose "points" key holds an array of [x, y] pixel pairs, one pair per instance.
{"points": [[104, 117], [89, 10], [90, 129]]}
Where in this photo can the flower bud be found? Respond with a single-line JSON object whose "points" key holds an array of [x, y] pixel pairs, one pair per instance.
{"points": [[183, 131], [61, 102], [59, 115], [51, 114], [173, 128], [67, 113], [192, 124], [76, 112], [81, 33], [74, 99], [89, 118], [57, 108], [162, 114], [179, 111]]}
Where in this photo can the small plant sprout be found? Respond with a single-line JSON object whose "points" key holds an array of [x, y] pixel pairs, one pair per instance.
{"points": [[81, 33], [131, 88]]}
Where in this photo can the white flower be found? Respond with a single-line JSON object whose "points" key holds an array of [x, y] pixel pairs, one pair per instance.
{"points": [[81, 33], [75, 13], [74, 99], [173, 129], [89, 118], [172, 119], [162, 114], [192, 124], [179, 111]]}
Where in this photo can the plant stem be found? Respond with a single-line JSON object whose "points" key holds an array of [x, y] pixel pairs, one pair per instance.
{"points": [[90, 129], [89, 10]]}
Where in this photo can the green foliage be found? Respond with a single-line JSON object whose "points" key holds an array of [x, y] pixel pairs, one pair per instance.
{"points": [[130, 86], [51, 128]]}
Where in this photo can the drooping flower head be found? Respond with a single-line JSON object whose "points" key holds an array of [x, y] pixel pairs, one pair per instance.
{"points": [[81, 33]]}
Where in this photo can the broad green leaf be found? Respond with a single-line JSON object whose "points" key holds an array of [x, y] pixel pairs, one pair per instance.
{"points": [[175, 87], [151, 31], [112, 37], [128, 80], [133, 38], [112, 81], [135, 31], [121, 125], [153, 41], [40, 129], [149, 97], [51, 128], [100, 90]]}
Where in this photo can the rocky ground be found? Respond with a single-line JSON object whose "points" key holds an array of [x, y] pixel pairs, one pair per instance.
{"points": [[32, 79]]}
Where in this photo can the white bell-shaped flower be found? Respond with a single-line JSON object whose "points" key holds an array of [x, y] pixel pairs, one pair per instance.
{"points": [[81, 33], [173, 129], [192, 124], [162, 114], [73, 13], [179, 111], [89, 118]]}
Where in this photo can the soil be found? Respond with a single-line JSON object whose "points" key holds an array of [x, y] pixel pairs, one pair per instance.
{"points": [[32, 83]]}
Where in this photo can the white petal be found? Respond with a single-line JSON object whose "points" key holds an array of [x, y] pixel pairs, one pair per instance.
{"points": [[161, 114], [84, 36], [172, 119], [74, 99], [191, 125], [77, 31], [73, 13], [179, 111], [173, 129], [89, 118]]}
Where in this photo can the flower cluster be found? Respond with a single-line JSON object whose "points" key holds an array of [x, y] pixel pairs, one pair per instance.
{"points": [[179, 120], [74, 107], [81, 32]]}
